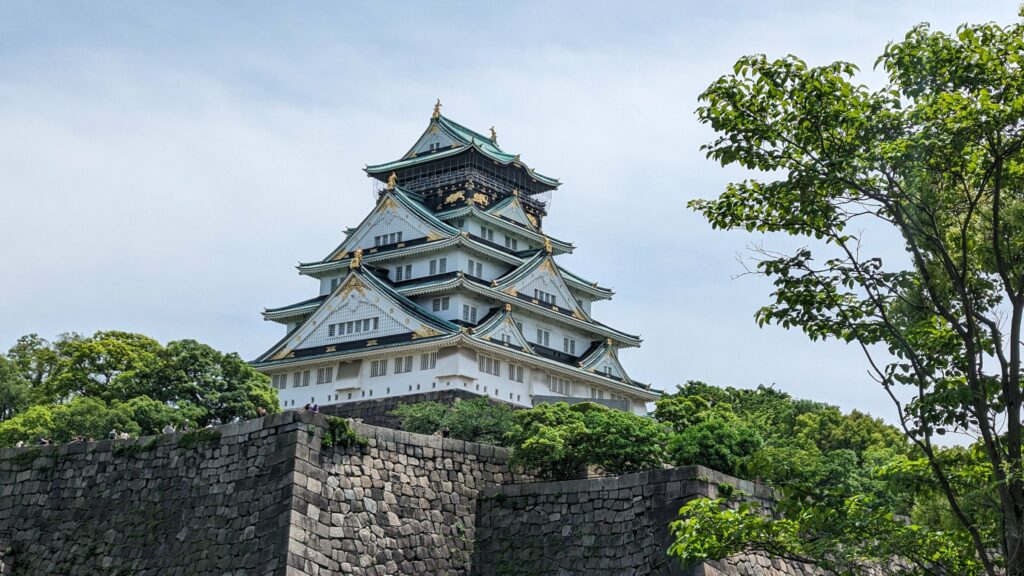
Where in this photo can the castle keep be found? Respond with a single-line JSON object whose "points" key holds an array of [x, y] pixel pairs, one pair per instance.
{"points": [[450, 284]]}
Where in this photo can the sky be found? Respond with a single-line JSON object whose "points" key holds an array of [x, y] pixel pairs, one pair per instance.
{"points": [[164, 166]]}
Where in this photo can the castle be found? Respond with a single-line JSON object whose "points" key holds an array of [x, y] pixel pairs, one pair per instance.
{"points": [[450, 284]]}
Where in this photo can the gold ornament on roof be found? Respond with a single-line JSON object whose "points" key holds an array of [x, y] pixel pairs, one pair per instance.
{"points": [[388, 204], [424, 332], [532, 220], [392, 180], [455, 197], [437, 110], [357, 259], [515, 192], [547, 245], [480, 199], [494, 135], [508, 307], [608, 341], [432, 236]]}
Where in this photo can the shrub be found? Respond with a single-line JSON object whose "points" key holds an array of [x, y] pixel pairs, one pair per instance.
{"points": [[556, 440], [340, 434], [476, 420], [720, 442]]}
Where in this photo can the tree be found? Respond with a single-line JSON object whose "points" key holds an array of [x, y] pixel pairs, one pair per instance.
{"points": [[474, 420], [557, 440], [211, 386], [720, 441], [937, 155], [14, 390], [84, 386]]}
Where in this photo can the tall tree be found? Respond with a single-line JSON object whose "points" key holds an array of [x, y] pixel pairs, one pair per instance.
{"points": [[937, 156]]}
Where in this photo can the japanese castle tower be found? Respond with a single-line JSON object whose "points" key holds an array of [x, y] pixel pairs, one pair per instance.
{"points": [[451, 283]]}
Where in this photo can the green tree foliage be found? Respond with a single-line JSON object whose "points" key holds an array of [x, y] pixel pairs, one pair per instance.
{"points": [[14, 390], [475, 420], [937, 155], [721, 441], [87, 386], [557, 440]]}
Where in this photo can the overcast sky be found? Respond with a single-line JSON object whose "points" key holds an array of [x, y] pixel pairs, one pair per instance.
{"points": [[164, 166]]}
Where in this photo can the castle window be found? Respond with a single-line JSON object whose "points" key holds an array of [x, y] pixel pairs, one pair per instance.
{"points": [[439, 304], [569, 346], [487, 234], [543, 296], [469, 313], [428, 361], [475, 269], [300, 379], [355, 326], [324, 375], [439, 266], [279, 381], [511, 243], [403, 272], [506, 338], [558, 385], [489, 365], [403, 364], [334, 283], [385, 239], [378, 368], [330, 330], [543, 337], [596, 393], [515, 373]]}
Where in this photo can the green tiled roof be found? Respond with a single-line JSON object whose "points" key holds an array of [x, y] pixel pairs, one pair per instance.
{"points": [[467, 139]]}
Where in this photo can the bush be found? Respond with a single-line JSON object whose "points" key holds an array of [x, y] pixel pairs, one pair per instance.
{"points": [[556, 440], [720, 442], [476, 420]]}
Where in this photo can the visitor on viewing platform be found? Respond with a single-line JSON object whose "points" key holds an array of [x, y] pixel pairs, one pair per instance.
{"points": [[169, 429], [112, 434]]}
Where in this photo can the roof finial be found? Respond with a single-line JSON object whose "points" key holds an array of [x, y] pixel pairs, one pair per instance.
{"points": [[494, 135], [392, 180], [547, 245], [508, 307], [437, 110], [357, 259]]}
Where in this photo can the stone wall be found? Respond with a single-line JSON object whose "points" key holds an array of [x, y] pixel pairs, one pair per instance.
{"points": [[604, 526], [406, 504], [151, 506], [266, 497]]}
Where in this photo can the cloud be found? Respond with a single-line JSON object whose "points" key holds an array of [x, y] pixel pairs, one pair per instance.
{"points": [[163, 167]]}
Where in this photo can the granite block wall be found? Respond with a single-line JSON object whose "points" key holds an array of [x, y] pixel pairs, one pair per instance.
{"points": [[151, 506], [605, 526], [266, 497], [404, 504]]}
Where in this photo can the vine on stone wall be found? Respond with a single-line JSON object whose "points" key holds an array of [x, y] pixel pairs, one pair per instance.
{"points": [[339, 433]]}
